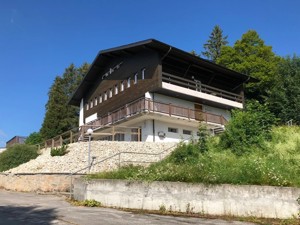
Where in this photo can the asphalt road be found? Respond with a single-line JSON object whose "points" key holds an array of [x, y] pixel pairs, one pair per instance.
{"points": [[29, 208]]}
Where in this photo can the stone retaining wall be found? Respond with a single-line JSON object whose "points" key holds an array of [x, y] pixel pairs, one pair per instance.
{"points": [[244, 200], [36, 182], [77, 157]]}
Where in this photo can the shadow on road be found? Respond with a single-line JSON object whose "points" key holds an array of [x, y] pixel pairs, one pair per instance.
{"points": [[13, 215]]}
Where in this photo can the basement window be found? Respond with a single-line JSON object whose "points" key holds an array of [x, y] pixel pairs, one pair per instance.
{"points": [[172, 130], [187, 132]]}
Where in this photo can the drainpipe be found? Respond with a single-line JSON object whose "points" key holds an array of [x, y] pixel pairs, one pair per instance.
{"points": [[153, 127]]}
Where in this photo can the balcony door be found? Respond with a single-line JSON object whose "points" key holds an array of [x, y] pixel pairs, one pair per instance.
{"points": [[198, 112]]}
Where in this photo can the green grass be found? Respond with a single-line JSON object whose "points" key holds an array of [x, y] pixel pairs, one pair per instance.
{"points": [[277, 164]]}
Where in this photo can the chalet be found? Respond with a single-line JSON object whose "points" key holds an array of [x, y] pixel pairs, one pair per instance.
{"points": [[158, 91]]}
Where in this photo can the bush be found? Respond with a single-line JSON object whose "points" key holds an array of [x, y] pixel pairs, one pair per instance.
{"points": [[247, 130], [59, 151], [185, 153], [17, 155]]}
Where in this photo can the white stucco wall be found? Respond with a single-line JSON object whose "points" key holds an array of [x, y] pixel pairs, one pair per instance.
{"points": [[160, 126], [91, 118], [201, 95], [81, 113]]}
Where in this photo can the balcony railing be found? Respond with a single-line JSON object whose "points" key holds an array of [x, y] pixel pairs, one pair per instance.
{"points": [[145, 105], [198, 86]]}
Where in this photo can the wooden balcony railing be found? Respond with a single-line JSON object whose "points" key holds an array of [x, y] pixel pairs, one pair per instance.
{"points": [[198, 86], [145, 105]]}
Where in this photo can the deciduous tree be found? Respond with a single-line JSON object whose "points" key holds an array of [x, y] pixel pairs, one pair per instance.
{"points": [[252, 57]]}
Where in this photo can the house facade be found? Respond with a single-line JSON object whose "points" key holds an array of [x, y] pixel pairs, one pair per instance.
{"points": [[158, 92]]}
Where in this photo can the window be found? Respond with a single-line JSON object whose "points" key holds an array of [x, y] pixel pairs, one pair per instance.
{"points": [[110, 92], [91, 104], [143, 74], [128, 82], [96, 101], [172, 130], [187, 132], [87, 106], [100, 99], [135, 78], [116, 89], [105, 96], [122, 86]]}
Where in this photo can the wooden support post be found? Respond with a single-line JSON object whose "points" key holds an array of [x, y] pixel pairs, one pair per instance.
{"points": [[170, 110], [52, 143], [113, 133], [139, 133], [71, 137], [60, 140]]}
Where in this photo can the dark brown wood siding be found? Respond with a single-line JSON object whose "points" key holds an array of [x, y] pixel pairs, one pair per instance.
{"points": [[131, 65]]}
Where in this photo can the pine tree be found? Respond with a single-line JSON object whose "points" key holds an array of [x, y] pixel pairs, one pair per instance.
{"points": [[214, 44], [61, 117]]}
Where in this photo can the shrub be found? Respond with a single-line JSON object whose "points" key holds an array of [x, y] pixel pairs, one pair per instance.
{"points": [[185, 153], [17, 155], [247, 130], [59, 151]]}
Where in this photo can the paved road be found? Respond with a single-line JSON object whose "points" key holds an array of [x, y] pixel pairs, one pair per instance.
{"points": [[30, 208]]}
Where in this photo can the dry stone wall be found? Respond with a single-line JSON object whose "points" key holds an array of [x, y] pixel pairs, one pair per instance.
{"points": [[77, 158]]}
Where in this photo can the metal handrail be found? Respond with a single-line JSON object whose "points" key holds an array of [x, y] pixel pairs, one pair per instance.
{"points": [[114, 155]]}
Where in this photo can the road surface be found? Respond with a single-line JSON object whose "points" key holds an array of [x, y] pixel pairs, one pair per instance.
{"points": [[29, 208]]}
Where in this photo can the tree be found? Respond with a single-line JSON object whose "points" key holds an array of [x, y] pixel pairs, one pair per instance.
{"points": [[252, 57], [61, 117], [34, 139], [214, 44], [284, 96]]}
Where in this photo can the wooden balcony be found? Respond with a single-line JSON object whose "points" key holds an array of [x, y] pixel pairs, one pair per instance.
{"points": [[198, 86], [144, 106]]}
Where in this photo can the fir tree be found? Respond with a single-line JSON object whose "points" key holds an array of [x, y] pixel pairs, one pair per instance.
{"points": [[214, 44]]}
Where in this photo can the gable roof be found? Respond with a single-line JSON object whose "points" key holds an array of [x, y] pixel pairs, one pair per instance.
{"points": [[165, 50]]}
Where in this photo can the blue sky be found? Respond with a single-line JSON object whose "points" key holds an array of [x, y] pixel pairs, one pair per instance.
{"points": [[40, 38]]}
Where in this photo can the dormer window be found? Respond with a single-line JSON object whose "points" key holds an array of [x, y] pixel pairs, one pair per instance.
{"points": [[100, 99], [105, 96], [110, 93]]}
